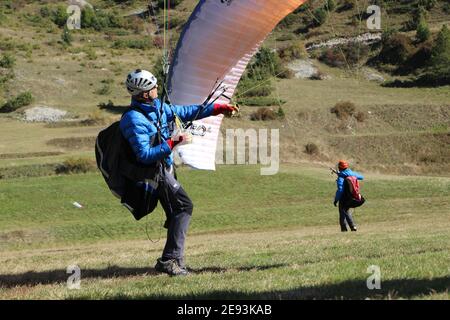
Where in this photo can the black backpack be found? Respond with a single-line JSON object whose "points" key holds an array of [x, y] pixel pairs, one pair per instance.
{"points": [[124, 175]]}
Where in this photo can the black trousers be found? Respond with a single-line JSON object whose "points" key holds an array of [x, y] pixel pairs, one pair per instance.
{"points": [[345, 216], [178, 208]]}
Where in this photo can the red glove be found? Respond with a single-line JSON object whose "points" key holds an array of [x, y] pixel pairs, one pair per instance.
{"points": [[172, 144], [225, 109]]}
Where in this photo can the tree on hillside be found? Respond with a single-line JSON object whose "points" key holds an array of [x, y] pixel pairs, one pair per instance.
{"points": [[440, 54], [320, 17], [438, 72], [422, 32], [66, 36], [428, 4], [330, 5]]}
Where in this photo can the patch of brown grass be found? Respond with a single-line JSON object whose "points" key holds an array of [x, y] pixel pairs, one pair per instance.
{"points": [[75, 165], [73, 143], [263, 114], [312, 149], [29, 155], [344, 110]]}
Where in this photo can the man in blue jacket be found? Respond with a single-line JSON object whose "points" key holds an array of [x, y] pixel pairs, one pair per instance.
{"points": [[343, 195], [151, 138]]}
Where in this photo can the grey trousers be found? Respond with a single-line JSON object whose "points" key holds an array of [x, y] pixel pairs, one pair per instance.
{"points": [[345, 216], [178, 208]]}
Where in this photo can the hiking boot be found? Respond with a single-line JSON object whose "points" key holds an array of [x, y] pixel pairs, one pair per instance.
{"points": [[171, 267], [353, 229], [344, 230]]}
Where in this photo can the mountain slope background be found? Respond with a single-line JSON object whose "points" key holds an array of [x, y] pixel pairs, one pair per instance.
{"points": [[388, 128]]}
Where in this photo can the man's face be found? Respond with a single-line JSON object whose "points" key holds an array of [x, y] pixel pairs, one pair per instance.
{"points": [[154, 93], [151, 95]]}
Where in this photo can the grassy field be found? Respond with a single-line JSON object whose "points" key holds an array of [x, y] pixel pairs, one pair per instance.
{"points": [[251, 236], [285, 243]]}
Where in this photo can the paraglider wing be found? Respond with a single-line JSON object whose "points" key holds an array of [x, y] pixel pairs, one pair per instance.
{"points": [[216, 45], [218, 42]]}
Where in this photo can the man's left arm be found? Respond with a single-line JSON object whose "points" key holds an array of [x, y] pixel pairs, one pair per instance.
{"points": [[195, 112]]}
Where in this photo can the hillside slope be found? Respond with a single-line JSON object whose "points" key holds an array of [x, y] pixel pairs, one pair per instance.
{"points": [[402, 130]]}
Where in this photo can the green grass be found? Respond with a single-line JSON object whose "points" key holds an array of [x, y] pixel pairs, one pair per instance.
{"points": [[284, 243]]}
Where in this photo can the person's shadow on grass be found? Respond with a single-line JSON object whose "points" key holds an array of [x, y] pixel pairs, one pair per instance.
{"points": [[33, 278], [351, 289]]}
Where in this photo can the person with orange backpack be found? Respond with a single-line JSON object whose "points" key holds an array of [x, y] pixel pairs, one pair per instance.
{"points": [[348, 194]]}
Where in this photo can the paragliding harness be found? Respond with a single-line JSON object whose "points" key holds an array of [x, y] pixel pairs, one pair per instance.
{"points": [[352, 196], [132, 182]]}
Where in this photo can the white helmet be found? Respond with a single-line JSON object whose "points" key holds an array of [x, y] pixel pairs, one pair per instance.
{"points": [[140, 81]]}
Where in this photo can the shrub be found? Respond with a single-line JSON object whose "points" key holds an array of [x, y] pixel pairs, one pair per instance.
{"points": [[158, 68], [104, 90], [263, 114], [286, 73], [361, 116], [440, 53], [355, 52], [287, 22], [133, 23], [59, 16], [428, 4], [397, 48], [344, 110], [416, 16], [90, 53], [5, 76], [312, 149], [22, 100], [75, 165], [294, 51], [330, 5], [100, 20], [320, 17], [158, 42], [7, 61], [286, 37], [66, 36], [265, 64], [446, 8], [45, 12], [333, 57], [418, 60], [303, 8], [280, 113], [347, 55], [255, 86], [438, 73], [422, 32], [347, 5]]}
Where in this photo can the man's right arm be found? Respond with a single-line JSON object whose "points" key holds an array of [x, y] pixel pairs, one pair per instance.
{"points": [[138, 135]]}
